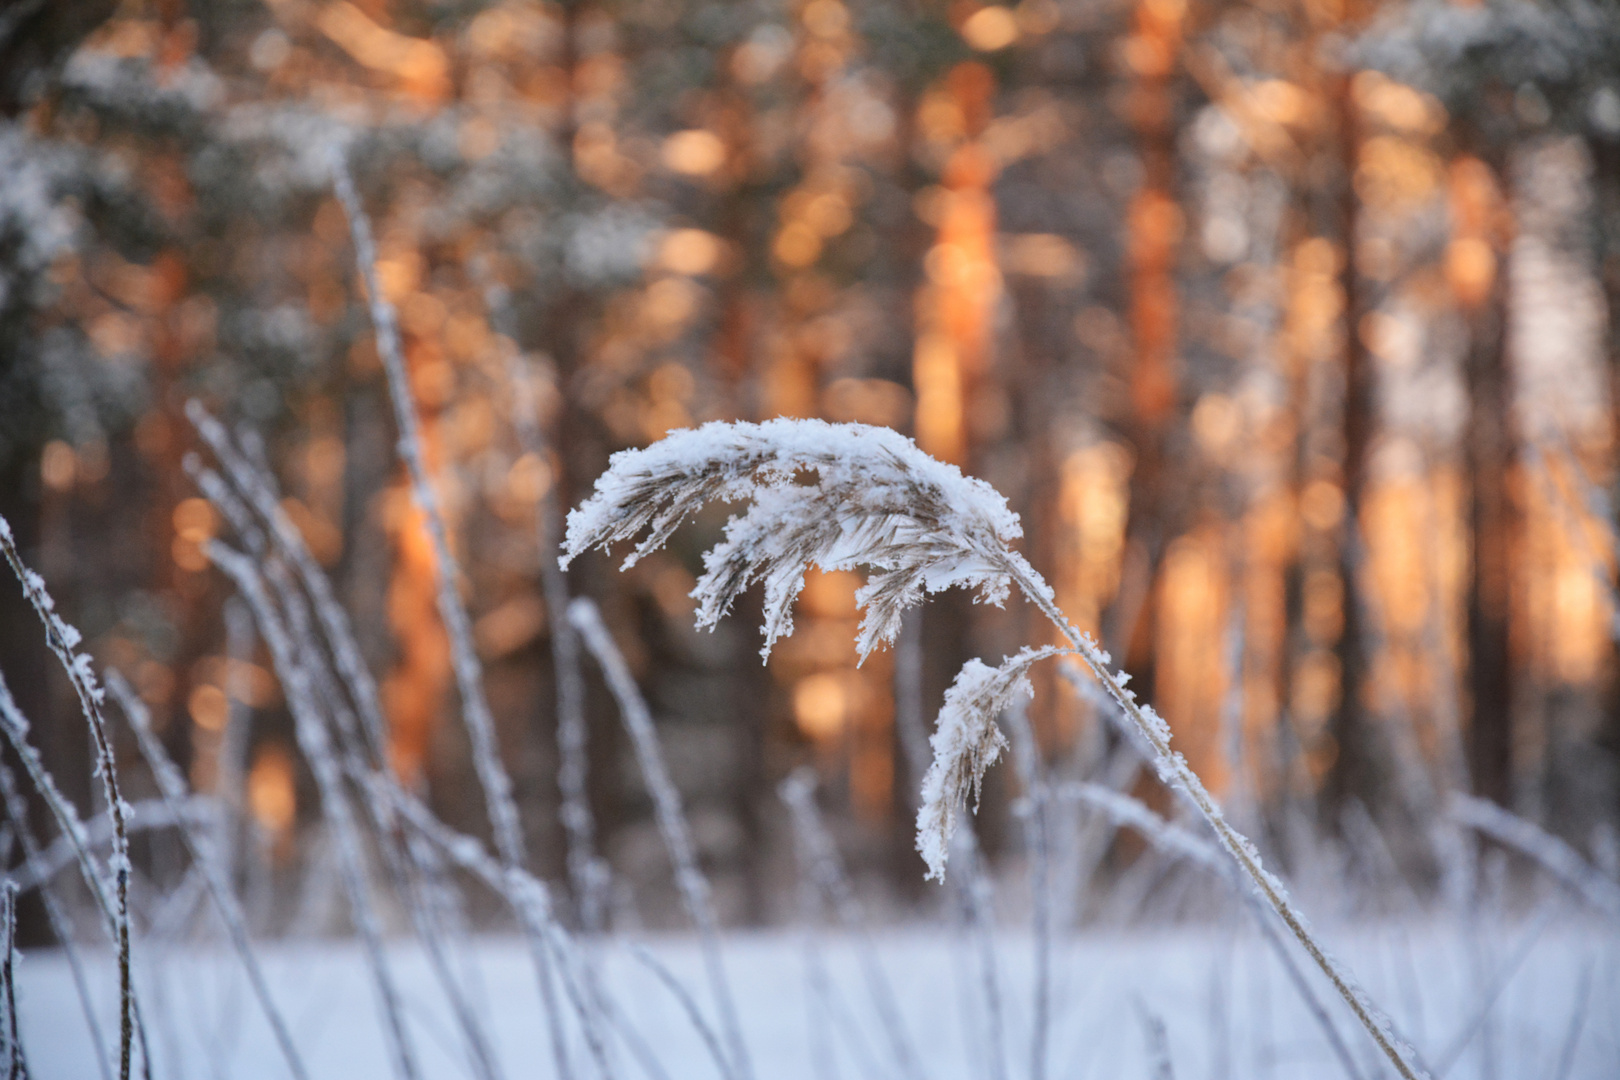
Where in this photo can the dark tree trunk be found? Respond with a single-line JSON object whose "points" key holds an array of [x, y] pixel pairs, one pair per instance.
{"points": [[1491, 458], [1354, 771]]}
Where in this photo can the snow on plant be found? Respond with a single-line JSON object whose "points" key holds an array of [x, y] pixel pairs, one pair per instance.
{"points": [[917, 525], [966, 743], [878, 501]]}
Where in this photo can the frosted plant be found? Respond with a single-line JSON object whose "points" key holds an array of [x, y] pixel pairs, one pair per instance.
{"points": [[878, 502], [966, 742], [64, 639], [917, 525]]}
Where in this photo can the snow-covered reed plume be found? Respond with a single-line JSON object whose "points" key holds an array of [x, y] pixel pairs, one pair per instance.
{"points": [[916, 524], [672, 825], [966, 742], [63, 640]]}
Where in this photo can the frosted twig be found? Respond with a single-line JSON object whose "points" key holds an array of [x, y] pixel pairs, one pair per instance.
{"points": [[1549, 852], [10, 1041], [233, 746], [1174, 771], [250, 485], [16, 808], [63, 640], [144, 816], [1174, 840], [819, 858], [173, 788], [917, 523], [689, 879], [1492, 991], [492, 774], [1037, 838], [528, 897], [255, 486], [689, 1005], [585, 873], [316, 745]]}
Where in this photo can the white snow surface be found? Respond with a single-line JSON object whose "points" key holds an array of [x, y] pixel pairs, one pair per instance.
{"points": [[1222, 998]]}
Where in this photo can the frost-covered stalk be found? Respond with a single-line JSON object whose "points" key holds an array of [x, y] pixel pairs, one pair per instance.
{"points": [[469, 674], [689, 879], [173, 788], [689, 1005], [1549, 852], [257, 487], [918, 525], [475, 712], [317, 749], [282, 546], [530, 901], [1173, 840], [1037, 838], [820, 860], [973, 898], [233, 747], [1491, 991], [16, 808], [585, 873], [63, 640], [1158, 1042], [16, 1067]]}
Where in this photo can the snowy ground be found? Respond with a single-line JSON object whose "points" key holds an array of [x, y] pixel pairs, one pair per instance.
{"points": [[1226, 1007]]}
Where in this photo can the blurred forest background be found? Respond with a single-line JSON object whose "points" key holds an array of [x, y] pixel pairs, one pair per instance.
{"points": [[1289, 327]]}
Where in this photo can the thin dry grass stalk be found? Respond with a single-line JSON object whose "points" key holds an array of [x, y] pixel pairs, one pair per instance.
{"points": [[819, 858], [16, 808], [917, 525], [10, 1041], [586, 873], [672, 825], [336, 804], [208, 864], [1553, 855]]}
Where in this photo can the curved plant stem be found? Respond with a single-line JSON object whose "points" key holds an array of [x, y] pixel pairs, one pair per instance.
{"points": [[1174, 770]]}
